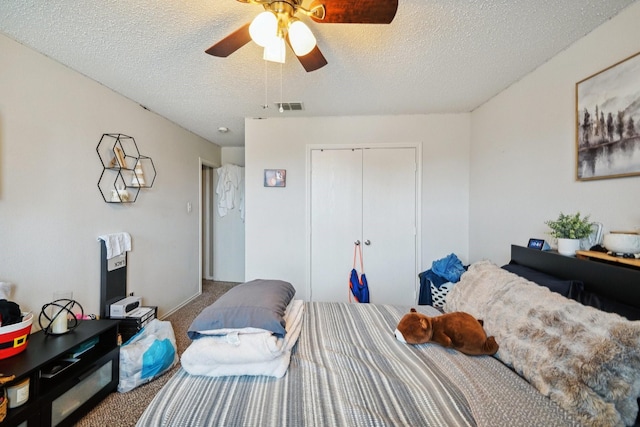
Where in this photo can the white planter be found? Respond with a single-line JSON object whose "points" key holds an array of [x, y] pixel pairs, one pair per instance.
{"points": [[568, 247]]}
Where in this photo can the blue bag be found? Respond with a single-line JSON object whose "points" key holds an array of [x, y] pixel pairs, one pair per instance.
{"points": [[147, 355], [358, 285]]}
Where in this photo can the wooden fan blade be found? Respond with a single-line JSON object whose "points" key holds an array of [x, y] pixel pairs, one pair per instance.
{"points": [[313, 60], [231, 43], [356, 11]]}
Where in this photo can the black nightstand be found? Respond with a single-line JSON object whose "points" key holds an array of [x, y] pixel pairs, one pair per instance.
{"points": [[68, 374]]}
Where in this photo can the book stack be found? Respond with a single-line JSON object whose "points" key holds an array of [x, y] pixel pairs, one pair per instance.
{"points": [[135, 321]]}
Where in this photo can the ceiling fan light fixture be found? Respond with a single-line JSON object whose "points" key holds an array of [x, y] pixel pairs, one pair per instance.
{"points": [[264, 28], [301, 38], [275, 50]]}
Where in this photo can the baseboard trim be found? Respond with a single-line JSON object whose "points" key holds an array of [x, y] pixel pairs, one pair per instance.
{"points": [[169, 313]]}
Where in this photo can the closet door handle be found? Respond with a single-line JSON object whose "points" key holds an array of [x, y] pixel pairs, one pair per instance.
{"points": [[357, 243], [367, 242]]}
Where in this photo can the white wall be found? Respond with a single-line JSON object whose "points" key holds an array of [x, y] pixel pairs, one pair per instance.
{"points": [[276, 220], [523, 150], [51, 213], [234, 155]]}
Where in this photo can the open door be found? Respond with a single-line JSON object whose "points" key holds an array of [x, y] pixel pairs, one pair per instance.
{"points": [[208, 192]]}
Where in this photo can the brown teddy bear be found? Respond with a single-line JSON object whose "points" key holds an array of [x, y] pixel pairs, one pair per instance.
{"points": [[457, 330]]}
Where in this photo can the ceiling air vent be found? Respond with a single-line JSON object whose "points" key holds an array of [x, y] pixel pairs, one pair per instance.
{"points": [[290, 106]]}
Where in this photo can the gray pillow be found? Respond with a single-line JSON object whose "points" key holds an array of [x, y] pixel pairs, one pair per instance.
{"points": [[256, 304]]}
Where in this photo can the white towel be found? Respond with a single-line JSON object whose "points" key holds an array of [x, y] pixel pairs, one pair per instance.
{"points": [[230, 186], [117, 243]]}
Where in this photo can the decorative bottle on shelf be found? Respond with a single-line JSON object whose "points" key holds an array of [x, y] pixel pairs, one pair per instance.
{"points": [[138, 176], [119, 195]]}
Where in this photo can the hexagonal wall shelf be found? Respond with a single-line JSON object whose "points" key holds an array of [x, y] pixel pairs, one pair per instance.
{"points": [[124, 170]]}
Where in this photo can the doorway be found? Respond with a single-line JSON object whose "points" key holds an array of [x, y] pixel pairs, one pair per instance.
{"points": [[207, 236], [222, 230]]}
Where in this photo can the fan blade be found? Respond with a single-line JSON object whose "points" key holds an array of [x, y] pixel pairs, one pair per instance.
{"points": [[231, 43], [312, 60], [356, 11]]}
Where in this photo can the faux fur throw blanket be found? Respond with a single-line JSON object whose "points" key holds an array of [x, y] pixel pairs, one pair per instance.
{"points": [[585, 360]]}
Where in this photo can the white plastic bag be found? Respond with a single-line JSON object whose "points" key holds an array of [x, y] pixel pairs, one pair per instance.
{"points": [[147, 355]]}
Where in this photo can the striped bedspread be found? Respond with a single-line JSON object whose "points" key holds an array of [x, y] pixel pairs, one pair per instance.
{"points": [[348, 369]]}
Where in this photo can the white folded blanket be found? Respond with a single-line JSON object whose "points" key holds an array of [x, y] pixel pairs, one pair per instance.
{"points": [[270, 368], [241, 353]]}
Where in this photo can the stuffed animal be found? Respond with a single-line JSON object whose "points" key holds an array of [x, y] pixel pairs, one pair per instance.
{"points": [[457, 330]]}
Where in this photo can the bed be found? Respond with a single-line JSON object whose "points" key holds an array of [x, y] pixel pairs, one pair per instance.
{"points": [[347, 368]]}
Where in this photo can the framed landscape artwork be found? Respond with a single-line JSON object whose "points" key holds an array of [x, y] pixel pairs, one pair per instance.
{"points": [[607, 118]]}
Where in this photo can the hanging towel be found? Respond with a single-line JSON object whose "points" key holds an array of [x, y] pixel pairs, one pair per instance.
{"points": [[241, 193], [116, 244], [229, 187]]}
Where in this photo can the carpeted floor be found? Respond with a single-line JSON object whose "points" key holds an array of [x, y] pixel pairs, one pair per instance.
{"points": [[124, 409]]}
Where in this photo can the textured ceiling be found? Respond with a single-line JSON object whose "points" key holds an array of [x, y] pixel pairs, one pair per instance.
{"points": [[437, 56]]}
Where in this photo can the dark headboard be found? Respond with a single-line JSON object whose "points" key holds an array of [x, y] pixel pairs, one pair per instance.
{"points": [[617, 288]]}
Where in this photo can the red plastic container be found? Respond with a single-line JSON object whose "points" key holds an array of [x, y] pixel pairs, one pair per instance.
{"points": [[14, 338]]}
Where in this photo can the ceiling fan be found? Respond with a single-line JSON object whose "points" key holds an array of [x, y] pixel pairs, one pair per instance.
{"points": [[278, 25]]}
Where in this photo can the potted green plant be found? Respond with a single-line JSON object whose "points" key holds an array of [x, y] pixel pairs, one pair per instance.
{"points": [[569, 229]]}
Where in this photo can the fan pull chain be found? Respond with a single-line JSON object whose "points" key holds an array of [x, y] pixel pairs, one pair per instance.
{"points": [[266, 85], [281, 109]]}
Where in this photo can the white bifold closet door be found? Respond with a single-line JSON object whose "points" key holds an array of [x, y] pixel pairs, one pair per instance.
{"points": [[366, 195]]}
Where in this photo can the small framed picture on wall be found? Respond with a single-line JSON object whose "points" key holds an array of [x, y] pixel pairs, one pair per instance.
{"points": [[275, 178]]}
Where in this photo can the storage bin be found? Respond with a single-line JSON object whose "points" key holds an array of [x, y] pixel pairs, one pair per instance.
{"points": [[18, 394], [438, 295], [14, 338]]}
